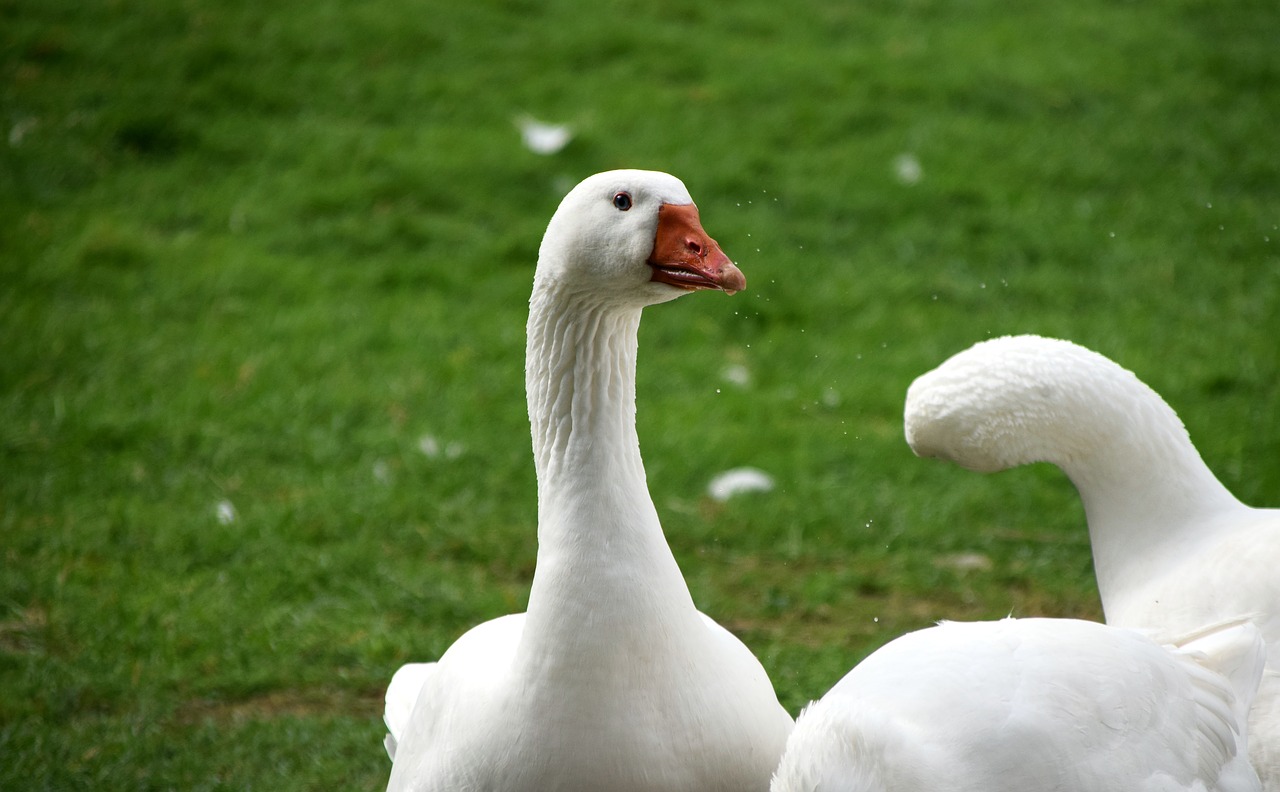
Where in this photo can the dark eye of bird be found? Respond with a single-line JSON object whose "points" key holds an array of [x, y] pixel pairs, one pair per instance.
{"points": [[622, 201]]}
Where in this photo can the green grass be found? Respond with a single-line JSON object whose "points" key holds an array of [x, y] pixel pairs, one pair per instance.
{"points": [[254, 253]]}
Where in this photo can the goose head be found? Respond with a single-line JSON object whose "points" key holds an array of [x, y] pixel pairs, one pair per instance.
{"points": [[632, 238], [1015, 400]]}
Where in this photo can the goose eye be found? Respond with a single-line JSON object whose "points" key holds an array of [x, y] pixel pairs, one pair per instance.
{"points": [[622, 201]]}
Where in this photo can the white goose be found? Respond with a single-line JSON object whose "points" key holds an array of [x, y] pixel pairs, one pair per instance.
{"points": [[612, 680], [1051, 705], [1172, 548]]}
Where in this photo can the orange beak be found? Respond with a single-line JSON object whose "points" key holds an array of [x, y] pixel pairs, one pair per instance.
{"points": [[685, 257]]}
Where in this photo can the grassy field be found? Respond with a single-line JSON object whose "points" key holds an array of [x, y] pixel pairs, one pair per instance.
{"points": [[263, 280]]}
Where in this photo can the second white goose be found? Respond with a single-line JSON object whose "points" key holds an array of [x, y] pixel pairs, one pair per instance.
{"points": [[1172, 548]]}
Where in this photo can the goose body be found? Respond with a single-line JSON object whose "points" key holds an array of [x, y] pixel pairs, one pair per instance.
{"points": [[612, 680], [1172, 547], [1051, 705]]}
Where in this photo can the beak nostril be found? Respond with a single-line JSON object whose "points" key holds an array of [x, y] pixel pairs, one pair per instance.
{"points": [[693, 246]]}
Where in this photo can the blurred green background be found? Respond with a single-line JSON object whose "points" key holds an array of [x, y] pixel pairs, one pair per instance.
{"points": [[263, 281]]}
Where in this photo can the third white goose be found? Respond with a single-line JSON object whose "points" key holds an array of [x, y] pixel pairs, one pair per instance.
{"points": [[1051, 705]]}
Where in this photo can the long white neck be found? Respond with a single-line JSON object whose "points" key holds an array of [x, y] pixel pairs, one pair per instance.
{"points": [[1147, 493], [605, 572]]}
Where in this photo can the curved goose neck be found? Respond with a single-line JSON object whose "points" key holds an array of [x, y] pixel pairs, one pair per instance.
{"points": [[602, 557], [1145, 489]]}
